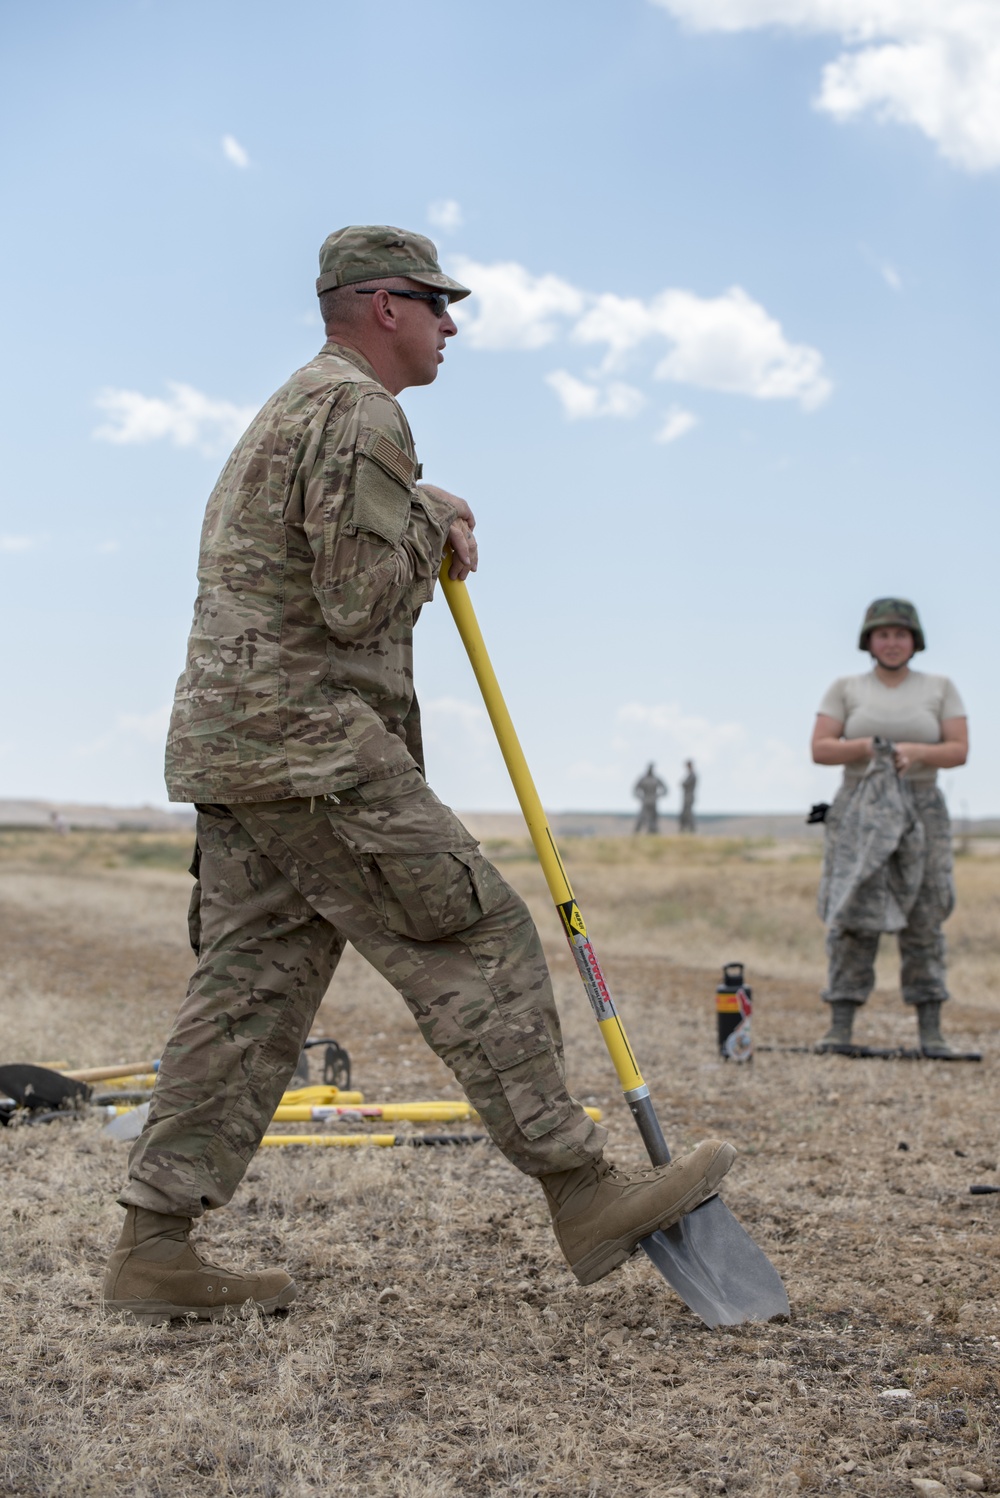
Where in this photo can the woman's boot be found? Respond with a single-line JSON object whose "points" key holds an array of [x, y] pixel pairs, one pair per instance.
{"points": [[932, 1042], [842, 1012]]}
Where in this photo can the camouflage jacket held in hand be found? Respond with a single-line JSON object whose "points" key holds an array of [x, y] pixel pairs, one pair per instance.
{"points": [[317, 552], [875, 850]]}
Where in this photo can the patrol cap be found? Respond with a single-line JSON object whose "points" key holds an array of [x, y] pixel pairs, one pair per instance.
{"points": [[372, 252], [892, 611]]}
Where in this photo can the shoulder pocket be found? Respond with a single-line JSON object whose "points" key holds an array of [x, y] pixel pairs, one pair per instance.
{"points": [[382, 482]]}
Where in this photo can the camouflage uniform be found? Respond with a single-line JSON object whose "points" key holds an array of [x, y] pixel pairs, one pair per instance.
{"points": [[284, 884], [689, 785], [296, 731], [887, 867], [648, 788], [317, 551]]}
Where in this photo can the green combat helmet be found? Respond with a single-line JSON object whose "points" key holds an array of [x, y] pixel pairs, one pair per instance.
{"points": [[892, 611]]}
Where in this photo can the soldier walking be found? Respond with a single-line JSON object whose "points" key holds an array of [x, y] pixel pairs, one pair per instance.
{"points": [[888, 858], [689, 786], [296, 733], [648, 788]]}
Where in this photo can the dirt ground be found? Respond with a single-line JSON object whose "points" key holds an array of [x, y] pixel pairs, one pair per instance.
{"points": [[439, 1347]]}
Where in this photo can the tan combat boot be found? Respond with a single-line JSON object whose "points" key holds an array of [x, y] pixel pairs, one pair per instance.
{"points": [[932, 1043], [838, 1037], [600, 1214], [154, 1275]]}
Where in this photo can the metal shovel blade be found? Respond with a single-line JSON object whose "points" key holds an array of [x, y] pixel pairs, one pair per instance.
{"points": [[716, 1268]]}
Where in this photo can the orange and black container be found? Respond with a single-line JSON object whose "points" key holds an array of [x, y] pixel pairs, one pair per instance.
{"points": [[733, 1005]]}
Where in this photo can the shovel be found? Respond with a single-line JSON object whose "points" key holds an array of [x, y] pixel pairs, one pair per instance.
{"points": [[376, 1141], [712, 1263], [40, 1087], [37, 1087]]}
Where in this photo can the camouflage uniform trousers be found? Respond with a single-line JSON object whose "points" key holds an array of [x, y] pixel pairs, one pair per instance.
{"points": [[922, 946], [283, 885], [648, 819]]}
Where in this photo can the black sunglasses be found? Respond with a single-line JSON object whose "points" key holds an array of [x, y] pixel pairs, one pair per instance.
{"points": [[438, 299]]}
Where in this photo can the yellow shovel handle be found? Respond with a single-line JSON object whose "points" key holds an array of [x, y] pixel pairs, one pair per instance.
{"points": [[463, 613], [556, 877]]}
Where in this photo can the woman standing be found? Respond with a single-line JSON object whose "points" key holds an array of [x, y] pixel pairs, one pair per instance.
{"points": [[888, 861]]}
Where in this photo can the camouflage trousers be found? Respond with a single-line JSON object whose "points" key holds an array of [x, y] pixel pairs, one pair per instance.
{"points": [[922, 947], [284, 884], [648, 819]]}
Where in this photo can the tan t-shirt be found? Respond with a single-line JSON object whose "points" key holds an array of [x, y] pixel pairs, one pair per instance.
{"points": [[911, 713]]}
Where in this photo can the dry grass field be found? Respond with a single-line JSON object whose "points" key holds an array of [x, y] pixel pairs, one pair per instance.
{"points": [[439, 1347]]}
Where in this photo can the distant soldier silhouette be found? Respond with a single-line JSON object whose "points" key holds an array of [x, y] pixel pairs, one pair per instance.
{"points": [[688, 787], [648, 788]]}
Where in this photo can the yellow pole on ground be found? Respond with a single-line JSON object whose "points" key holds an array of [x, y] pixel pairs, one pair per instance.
{"points": [[431, 1112], [320, 1095], [379, 1141], [138, 1079], [106, 1073], [330, 1140], [390, 1112]]}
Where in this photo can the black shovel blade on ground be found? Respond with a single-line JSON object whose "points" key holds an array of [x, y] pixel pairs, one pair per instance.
{"points": [[36, 1087]]}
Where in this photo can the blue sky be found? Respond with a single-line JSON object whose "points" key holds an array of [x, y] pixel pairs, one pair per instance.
{"points": [[730, 370]]}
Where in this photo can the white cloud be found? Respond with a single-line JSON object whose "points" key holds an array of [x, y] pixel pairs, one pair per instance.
{"points": [[737, 770], [129, 731], [676, 423], [620, 322], [683, 735], [511, 308], [464, 764], [727, 343], [188, 418], [107, 548], [446, 215], [453, 714], [930, 64], [16, 543], [234, 152], [151, 727], [580, 400], [890, 275]]}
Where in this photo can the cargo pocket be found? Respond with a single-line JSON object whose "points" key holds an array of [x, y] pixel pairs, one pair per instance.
{"points": [[521, 1054], [194, 904], [210, 813], [939, 867], [427, 896]]}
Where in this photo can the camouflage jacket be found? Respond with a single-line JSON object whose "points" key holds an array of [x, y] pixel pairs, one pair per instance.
{"points": [[648, 788], [875, 849], [317, 552]]}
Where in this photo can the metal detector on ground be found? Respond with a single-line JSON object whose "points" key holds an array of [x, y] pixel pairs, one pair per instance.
{"points": [[712, 1263], [336, 1065]]}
